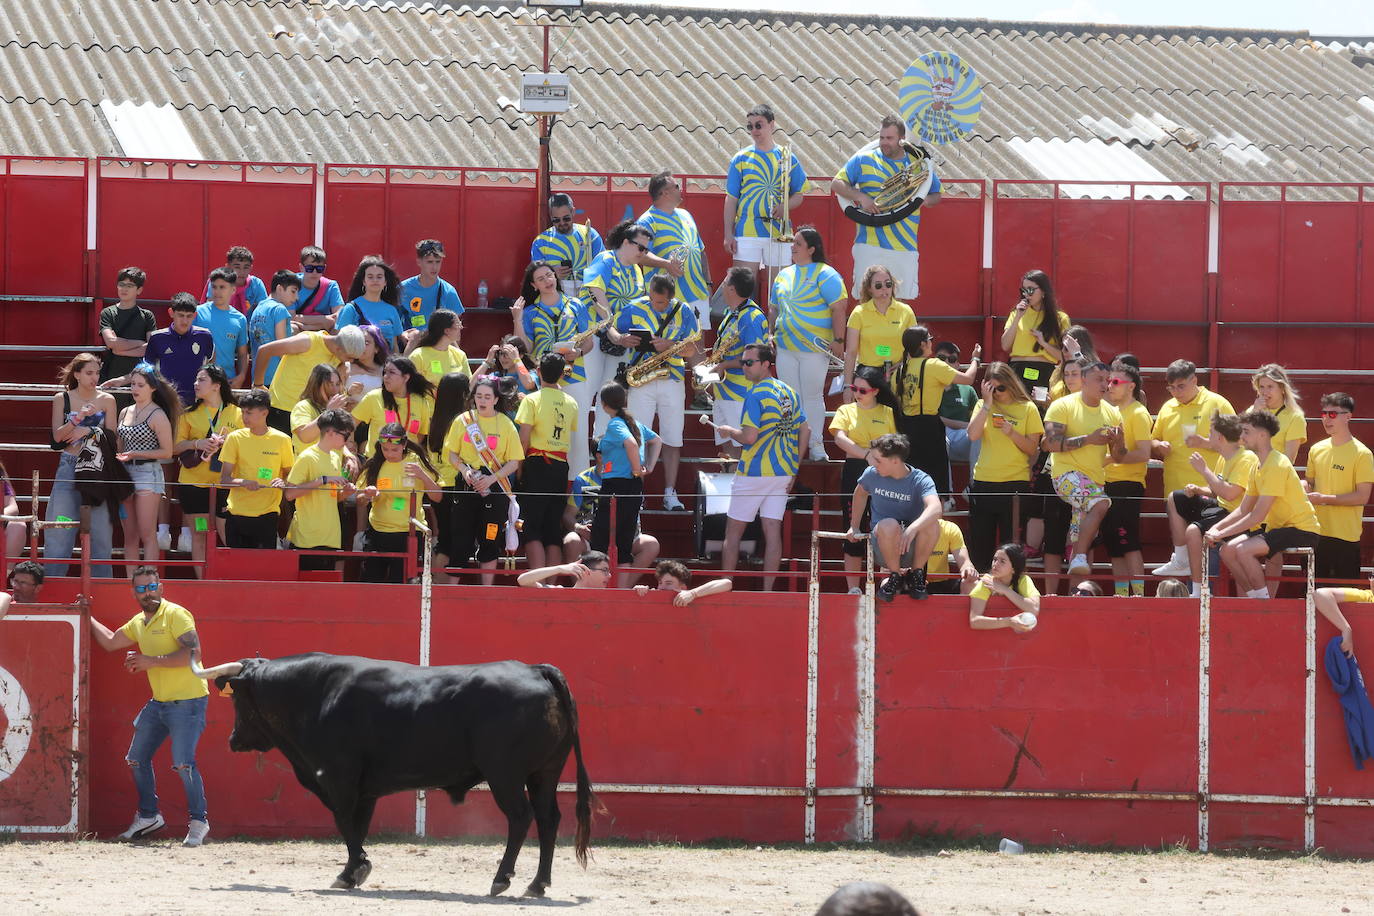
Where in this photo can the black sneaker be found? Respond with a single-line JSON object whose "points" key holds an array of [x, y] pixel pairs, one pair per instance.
{"points": [[890, 587], [916, 585]]}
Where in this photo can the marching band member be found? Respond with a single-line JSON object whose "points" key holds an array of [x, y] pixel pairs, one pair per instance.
{"points": [[753, 184], [808, 301], [873, 335], [675, 235], [748, 325], [1032, 334], [568, 247], [613, 279], [864, 175]]}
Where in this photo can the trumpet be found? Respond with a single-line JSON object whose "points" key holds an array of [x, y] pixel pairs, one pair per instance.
{"points": [[778, 198], [704, 374], [817, 343], [656, 366]]}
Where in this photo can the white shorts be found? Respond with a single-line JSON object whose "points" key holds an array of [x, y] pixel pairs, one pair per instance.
{"points": [[767, 252], [703, 309], [727, 413], [666, 399], [903, 265], [758, 496]]}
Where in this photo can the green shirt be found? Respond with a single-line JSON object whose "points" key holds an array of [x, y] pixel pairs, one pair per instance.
{"points": [[958, 403]]}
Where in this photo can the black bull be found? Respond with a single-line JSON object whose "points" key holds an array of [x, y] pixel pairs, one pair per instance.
{"points": [[356, 729]]}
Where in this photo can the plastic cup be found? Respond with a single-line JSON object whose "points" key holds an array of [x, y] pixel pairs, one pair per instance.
{"points": [[1010, 847]]}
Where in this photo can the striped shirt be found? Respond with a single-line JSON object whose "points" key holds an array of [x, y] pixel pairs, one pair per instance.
{"points": [[641, 316], [676, 233], [579, 246], [752, 326], [776, 412], [803, 294], [547, 326], [866, 171], [752, 174]]}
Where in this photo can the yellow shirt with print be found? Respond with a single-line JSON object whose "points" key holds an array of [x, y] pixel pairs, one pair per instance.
{"points": [[436, 362], [1173, 416], [920, 394], [1025, 588], [1239, 469], [293, 371], [1025, 346], [501, 435], [412, 411], [1136, 425], [863, 426], [949, 541], [1079, 419], [1000, 461], [1339, 469], [1291, 509], [880, 333], [261, 458], [158, 635], [316, 522], [195, 424], [390, 511], [552, 414]]}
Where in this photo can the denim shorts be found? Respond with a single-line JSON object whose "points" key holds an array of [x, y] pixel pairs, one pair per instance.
{"points": [[147, 478]]}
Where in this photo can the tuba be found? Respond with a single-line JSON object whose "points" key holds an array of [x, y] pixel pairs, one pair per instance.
{"points": [[901, 195], [780, 212], [704, 374], [656, 366]]}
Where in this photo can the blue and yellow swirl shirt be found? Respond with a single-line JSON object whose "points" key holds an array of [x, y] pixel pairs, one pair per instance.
{"points": [[802, 295], [752, 326], [753, 173], [866, 171], [774, 409], [619, 282], [579, 246], [673, 232], [640, 317], [547, 326]]}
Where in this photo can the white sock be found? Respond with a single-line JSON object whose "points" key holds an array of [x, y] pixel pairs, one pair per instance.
{"points": [[163, 529], [1197, 590], [1262, 593], [1181, 553]]}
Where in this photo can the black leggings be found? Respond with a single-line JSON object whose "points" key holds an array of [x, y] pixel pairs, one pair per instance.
{"points": [[629, 493], [384, 569], [991, 512]]}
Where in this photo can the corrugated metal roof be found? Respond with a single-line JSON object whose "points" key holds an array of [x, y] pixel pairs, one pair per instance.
{"points": [[304, 80]]}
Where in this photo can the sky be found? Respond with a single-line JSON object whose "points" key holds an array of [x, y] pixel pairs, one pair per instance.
{"points": [[1317, 17]]}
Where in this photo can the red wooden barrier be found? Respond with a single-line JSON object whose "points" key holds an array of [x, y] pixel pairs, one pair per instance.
{"points": [[43, 224]]}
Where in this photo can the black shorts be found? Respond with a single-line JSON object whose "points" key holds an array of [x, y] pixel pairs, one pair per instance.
{"points": [[196, 500], [1280, 539], [1210, 517], [1045, 504], [1337, 559], [255, 532], [1190, 508], [543, 496], [1121, 526], [314, 562]]}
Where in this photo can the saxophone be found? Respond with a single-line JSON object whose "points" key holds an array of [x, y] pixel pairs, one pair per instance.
{"points": [[656, 366], [704, 374], [577, 340]]}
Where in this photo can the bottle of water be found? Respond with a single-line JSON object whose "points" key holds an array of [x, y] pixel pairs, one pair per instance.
{"points": [[482, 294]]}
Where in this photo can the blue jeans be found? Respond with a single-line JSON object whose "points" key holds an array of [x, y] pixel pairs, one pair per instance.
{"points": [[183, 720], [65, 501], [961, 449]]}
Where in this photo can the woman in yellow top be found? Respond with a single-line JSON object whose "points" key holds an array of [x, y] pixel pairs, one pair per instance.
{"points": [[1007, 578], [1126, 480], [1032, 334], [1275, 393], [920, 384], [436, 352], [486, 466], [323, 390], [855, 426], [450, 400], [200, 433], [874, 329], [397, 471], [1008, 424], [406, 397], [1077, 344]]}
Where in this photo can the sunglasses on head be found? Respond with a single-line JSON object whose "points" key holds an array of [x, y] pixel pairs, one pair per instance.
{"points": [[312, 269], [1333, 414], [1029, 290], [883, 284]]}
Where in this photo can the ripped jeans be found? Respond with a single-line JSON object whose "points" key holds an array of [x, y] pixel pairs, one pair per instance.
{"points": [[183, 720]]}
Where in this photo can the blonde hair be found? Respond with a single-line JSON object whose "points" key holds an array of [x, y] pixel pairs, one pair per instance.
{"points": [[1279, 376], [865, 285], [1003, 374]]}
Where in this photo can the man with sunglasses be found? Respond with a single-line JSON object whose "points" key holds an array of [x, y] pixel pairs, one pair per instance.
{"points": [[753, 180], [166, 640], [1340, 472], [425, 293], [320, 296], [565, 245], [1184, 426]]}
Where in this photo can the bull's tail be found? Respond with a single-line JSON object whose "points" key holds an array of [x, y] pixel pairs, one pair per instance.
{"points": [[585, 797]]}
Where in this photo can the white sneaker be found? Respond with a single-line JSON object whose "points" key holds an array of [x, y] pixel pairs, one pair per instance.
{"points": [[164, 539], [856, 591], [184, 541], [1079, 566], [195, 833], [818, 453], [1175, 567], [670, 500], [142, 826], [358, 541]]}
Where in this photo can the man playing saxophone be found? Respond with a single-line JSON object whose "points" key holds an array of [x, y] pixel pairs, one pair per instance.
{"points": [[859, 182], [743, 325], [666, 330]]}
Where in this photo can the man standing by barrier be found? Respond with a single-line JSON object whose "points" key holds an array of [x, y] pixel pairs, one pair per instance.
{"points": [[165, 634], [1340, 473]]}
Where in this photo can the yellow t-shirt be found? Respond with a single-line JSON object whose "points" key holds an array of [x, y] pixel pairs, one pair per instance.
{"points": [[316, 522], [1025, 588], [412, 411], [1000, 461], [303, 414], [1237, 469], [1275, 477], [553, 415], [1292, 425], [1339, 469], [195, 424], [390, 511], [502, 438], [863, 426], [262, 458], [1025, 346], [950, 540], [1079, 419], [434, 362], [1135, 427], [158, 636], [880, 334], [923, 396], [293, 371], [1173, 416]]}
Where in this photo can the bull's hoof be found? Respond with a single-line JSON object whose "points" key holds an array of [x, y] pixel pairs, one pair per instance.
{"points": [[536, 889], [499, 887], [351, 878]]}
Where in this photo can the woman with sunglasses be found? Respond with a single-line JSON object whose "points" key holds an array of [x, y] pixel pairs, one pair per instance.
{"points": [[1006, 579], [394, 478], [613, 280], [855, 425], [1033, 332], [482, 506], [1009, 427], [920, 383], [1126, 480], [874, 330], [1275, 393]]}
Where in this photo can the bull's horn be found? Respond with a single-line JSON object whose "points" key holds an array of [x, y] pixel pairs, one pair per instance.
{"points": [[228, 669]]}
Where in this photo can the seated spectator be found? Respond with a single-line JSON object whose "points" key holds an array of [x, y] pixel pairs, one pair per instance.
{"points": [[16, 533], [950, 555], [1125, 486], [298, 356], [672, 576], [320, 298], [856, 424], [577, 517], [510, 359], [255, 460], [406, 397], [1086, 589], [177, 352], [125, 328], [146, 434], [866, 898], [226, 325], [1274, 516], [395, 477], [1328, 602], [374, 298], [906, 515], [323, 390], [592, 570], [426, 293], [80, 411], [200, 435], [26, 582], [484, 445], [1006, 579], [271, 320], [1172, 588], [435, 352], [248, 289]]}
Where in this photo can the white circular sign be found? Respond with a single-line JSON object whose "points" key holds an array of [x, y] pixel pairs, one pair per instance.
{"points": [[18, 725]]}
